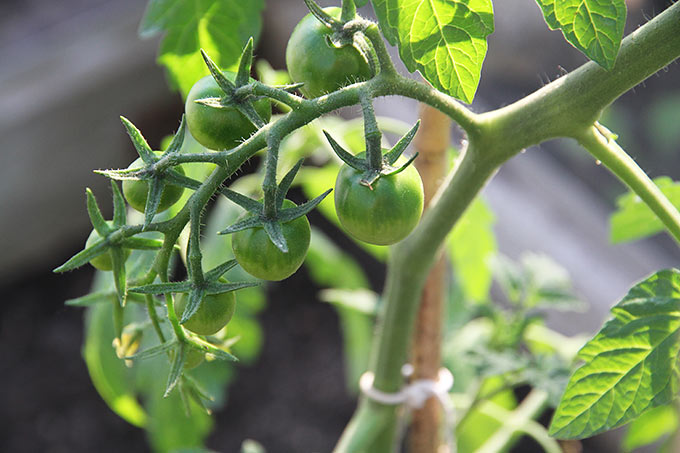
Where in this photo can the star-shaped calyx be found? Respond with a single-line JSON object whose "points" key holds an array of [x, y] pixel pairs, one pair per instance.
{"points": [[157, 171], [241, 100], [114, 238], [210, 283], [347, 31], [376, 164], [271, 224]]}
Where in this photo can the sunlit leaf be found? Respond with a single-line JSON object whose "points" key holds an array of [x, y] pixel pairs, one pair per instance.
{"points": [[630, 366]]}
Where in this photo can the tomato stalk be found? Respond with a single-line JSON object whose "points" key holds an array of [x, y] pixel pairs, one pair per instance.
{"points": [[372, 133]]}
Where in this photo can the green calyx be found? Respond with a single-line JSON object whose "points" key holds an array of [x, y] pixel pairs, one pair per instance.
{"points": [[346, 31], [164, 183], [241, 100], [271, 223], [370, 167]]}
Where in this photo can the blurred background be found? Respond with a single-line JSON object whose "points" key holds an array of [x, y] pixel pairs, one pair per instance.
{"points": [[68, 69]]}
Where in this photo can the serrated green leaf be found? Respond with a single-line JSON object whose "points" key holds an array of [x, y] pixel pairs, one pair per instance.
{"points": [[650, 427], [220, 27], [470, 246], [443, 39], [631, 365], [634, 220], [595, 27]]}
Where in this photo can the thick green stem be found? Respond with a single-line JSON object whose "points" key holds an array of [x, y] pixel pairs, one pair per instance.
{"points": [[602, 146]]}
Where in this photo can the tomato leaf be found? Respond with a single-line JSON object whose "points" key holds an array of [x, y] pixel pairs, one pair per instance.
{"points": [[443, 39], [631, 365], [220, 27], [651, 427], [595, 27], [634, 220], [110, 376], [470, 246]]}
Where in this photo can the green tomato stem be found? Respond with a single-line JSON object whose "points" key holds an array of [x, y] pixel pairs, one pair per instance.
{"points": [[194, 256], [386, 65], [269, 185], [372, 133], [153, 316], [601, 145]]}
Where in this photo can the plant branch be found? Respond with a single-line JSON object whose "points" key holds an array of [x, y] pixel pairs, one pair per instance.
{"points": [[600, 143], [520, 419]]}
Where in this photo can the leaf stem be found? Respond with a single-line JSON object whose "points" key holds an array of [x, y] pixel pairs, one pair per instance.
{"points": [[599, 142]]}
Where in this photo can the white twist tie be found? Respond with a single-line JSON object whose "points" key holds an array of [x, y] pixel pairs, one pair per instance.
{"points": [[415, 394]]}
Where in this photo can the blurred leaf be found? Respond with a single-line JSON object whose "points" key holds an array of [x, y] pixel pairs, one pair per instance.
{"points": [[470, 246], [634, 220], [109, 375], [537, 281], [661, 120], [650, 427], [329, 266], [631, 365], [595, 27], [549, 373], [478, 426], [444, 40], [191, 25], [169, 427]]}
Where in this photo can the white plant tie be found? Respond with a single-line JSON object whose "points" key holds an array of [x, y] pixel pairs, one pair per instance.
{"points": [[415, 394]]}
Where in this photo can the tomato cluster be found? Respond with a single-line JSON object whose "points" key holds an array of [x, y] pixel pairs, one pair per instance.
{"points": [[220, 117]]}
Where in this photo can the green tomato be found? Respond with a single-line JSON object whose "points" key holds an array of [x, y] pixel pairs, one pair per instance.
{"points": [[258, 255], [220, 128], [214, 312], [136, 192], [322, 68], [193, 359], [384, 213], [103, 262]]}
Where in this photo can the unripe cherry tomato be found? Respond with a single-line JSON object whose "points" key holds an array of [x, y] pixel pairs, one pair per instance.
{"points": [[384, 213], [311, 59], [214, 312], [103, 262], [219, 128], [137, 191], [258, 255]]}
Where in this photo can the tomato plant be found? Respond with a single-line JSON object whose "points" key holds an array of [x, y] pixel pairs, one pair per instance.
{"points": [[219, 128], [380, 202], [313, 60]]}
